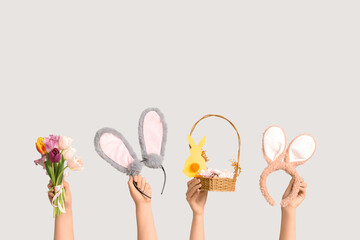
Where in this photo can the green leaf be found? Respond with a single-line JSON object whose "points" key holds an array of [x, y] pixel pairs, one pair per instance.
{"points": [[50, 170], [47, 167]]}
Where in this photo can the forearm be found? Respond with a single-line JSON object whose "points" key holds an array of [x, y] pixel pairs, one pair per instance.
{"points": [[288, 224], [64, 226], [197, 227], [145, 222]]}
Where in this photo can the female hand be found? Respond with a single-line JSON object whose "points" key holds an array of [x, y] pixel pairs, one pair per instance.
{"points": [[143, 186], [299, 198], [195, 197], [51, 193]]}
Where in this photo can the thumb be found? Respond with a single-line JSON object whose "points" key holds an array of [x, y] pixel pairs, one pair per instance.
{"points": [[66, 186], [130, 182], [289, 187]]}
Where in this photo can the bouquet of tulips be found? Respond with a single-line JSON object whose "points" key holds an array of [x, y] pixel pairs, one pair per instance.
{"points": [[55, 151]]}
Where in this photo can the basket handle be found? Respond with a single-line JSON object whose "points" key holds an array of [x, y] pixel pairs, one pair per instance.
{"points": [[238, 135]]}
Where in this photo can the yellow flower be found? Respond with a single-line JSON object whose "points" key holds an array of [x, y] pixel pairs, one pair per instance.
{"points": [[40, 146]]}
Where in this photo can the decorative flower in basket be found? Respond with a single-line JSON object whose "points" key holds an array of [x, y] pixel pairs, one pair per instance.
{"points": [[211, 179]]}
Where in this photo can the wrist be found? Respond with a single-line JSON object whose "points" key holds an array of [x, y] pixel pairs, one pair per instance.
{"points": [[143, 205], [198, 214], [66, 214], [288, 210], [68, 208]]}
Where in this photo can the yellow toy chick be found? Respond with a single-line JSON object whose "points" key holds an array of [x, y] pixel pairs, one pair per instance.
{"points": [[195, 162]]}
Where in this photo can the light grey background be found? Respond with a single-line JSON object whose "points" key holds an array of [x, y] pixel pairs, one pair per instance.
{"points": [[72, 67]]}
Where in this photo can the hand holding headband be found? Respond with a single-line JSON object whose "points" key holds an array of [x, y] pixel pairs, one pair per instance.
{"points": [[278, 157], [113, 147]]}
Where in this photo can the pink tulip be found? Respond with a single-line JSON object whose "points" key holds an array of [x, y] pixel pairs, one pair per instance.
{"points": [[69, 153], [51, 142], [65, 142], [75, 164]]}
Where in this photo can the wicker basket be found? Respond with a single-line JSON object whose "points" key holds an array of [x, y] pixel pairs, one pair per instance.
{"points": [[220, 184]]}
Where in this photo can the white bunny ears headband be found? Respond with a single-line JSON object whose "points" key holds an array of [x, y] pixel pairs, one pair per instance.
{"points": [[278, 157], [113, 147]]}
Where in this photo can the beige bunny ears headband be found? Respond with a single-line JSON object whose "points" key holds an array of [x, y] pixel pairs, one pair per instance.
{"points": [[279, 157]]}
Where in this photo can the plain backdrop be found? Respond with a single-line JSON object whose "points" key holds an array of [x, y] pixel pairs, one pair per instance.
{"points": [[72, 67]]}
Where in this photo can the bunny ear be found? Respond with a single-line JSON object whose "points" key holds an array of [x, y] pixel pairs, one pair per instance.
{"points": [[114, 148], [301, 149], [202, 142], [152, 137], [191, 141], [274, 142]]}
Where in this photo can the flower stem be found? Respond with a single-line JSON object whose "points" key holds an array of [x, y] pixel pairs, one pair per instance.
{"points": [[62, 171]]}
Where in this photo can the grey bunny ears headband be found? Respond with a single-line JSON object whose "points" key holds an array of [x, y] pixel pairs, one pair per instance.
{"points": [[113, 147]]}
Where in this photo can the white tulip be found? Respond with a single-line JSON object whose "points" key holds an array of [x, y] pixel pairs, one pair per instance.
{"points": [[75, 164], [69, 153], [65, 142]]}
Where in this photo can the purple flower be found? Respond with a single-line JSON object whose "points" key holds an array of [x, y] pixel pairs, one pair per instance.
{"points": [[54, 155], [51, 142], [41, 161]]}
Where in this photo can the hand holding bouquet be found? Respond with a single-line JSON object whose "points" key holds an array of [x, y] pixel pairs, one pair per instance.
{"points": [[55, 151]]}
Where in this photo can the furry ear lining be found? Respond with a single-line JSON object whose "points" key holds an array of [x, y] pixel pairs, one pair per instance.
{"points": [[274, 142], [301, 149], [152, 137], [114, 149]]}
